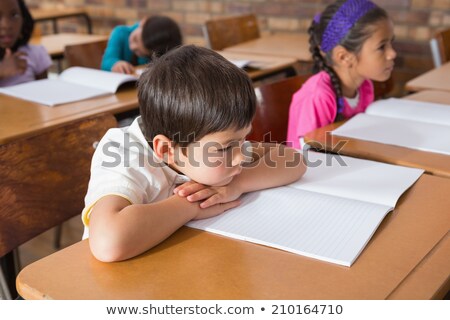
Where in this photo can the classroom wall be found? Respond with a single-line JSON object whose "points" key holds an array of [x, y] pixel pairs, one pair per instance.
{"points": [[415, 21]]}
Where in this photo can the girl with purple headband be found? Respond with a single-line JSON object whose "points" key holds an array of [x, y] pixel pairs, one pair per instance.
{"points": [[351, 44]]}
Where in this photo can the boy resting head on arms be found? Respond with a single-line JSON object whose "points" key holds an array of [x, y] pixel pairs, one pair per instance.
{"points": [[185, 158]]}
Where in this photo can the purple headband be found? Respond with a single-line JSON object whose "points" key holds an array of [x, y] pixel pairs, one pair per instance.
{"points": [[343, 20]]}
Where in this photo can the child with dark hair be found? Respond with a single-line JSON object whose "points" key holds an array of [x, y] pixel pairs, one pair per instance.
{"points": [[185, 158], [135, 45], [19, 61], [351, 44]]}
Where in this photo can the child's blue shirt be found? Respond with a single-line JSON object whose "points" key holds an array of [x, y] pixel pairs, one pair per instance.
{"points": [[118, 47]]}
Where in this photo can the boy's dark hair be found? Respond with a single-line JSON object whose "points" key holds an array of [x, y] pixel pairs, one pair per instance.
{"points": [[352, 41], [161, 34], [191, 92], [25, 32]]}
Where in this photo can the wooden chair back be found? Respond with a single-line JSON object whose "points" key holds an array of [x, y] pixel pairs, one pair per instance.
{"points": [[87, 55], [43, 181], [443, 40], [274, 99], [227, 31], [382, 89]]}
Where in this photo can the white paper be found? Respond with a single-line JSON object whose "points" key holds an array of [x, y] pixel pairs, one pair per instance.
{"points": [[103, 80], [74, 84], [52, 92], [311, 224], [239, 63], [308, 218], [358, 179], [411, 110], [405, 133]]}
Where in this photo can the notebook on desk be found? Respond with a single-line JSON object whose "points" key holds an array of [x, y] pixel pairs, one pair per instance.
{"points": [[401, 122], [329, 214], [251, 64], [73, 84]]}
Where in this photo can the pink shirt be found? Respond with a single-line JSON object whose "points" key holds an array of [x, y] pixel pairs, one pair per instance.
{"points": [[38, 61], [314, 106]]}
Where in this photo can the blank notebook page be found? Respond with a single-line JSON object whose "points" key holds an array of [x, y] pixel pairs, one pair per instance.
{"points": [[410, 134], [411, 110], [52, 92]]}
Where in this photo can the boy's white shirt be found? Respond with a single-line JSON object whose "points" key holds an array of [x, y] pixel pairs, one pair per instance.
{"points": [[153, 181]]}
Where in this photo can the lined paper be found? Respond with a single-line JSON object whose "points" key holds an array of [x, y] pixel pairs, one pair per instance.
{"points": [[319, 226], [353, 178], [325, 215]]}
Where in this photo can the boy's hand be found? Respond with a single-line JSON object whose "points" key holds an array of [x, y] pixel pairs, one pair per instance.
{"points": [[194, 192], [123, 67], [13, 64], [215, 210]]}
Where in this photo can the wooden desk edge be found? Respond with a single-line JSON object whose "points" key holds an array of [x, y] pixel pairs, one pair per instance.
{"points": [[436, 271], [322, 139]]}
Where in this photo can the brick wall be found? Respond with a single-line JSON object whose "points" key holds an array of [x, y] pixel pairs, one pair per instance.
{"points": [[415, 21]]}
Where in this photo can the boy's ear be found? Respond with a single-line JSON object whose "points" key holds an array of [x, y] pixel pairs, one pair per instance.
{"points": [[343, 57], [163, 148]]}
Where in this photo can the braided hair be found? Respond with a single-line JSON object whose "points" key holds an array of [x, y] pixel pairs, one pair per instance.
{"points": [[352, 41]]}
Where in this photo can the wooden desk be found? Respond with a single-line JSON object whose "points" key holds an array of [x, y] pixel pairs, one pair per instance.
{"points": [[282, 45], [193, 264], [262, 65], [53, 15], [436, 79], [21, 119], [55, 43], [45, 156], [433, 163]]}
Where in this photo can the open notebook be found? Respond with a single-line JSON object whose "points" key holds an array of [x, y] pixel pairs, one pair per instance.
{"points": [[73, 84], [251, 64], [329, 214], [406, 123]]}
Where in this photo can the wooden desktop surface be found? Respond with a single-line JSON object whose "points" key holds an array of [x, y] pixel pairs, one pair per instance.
{"points": [[21, 119], [55, 43], [261, 65], [433, 163], [410, 249], [283, 45], [435, 79]]}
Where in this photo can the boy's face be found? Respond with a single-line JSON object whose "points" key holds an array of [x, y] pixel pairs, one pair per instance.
{"points": [[136, 43], [215, 159]]}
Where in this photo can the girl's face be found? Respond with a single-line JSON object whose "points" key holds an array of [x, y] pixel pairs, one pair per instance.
{"points": [[10, 23], [376, 58]]}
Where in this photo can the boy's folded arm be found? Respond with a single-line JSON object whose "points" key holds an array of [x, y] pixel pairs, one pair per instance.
{"points": [[274, 165], [119, 230]]}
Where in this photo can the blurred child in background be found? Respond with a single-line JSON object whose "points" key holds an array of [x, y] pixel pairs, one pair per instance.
{"points": [[19, 61], [129, 46]]}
